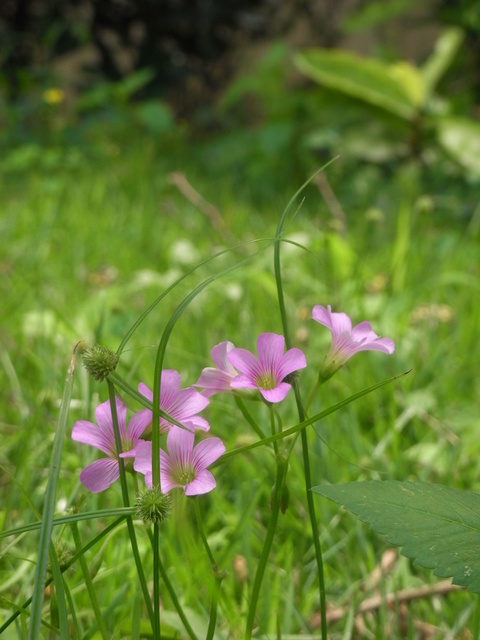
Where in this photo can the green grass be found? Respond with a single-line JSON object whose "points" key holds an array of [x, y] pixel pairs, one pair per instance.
{"points": [[85, 251]]}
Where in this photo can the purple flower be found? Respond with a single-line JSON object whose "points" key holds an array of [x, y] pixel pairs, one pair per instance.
{"points": [[181, 404], [218, 380], [184, 466], [266, 373], [99, 475], [346, 341]]}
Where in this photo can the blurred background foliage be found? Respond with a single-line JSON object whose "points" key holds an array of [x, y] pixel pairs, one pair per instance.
{"points": [[255, 86]]}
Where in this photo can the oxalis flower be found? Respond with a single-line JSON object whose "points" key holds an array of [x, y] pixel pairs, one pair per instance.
{"points": [[185, 466], [266, 373], [214, 380], [346, 342], [181, 404], [99, 475]]}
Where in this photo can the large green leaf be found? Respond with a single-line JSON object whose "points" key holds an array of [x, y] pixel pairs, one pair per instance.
{"points": [[442, 57], [397, 88], [437, 526], [460, 138]]}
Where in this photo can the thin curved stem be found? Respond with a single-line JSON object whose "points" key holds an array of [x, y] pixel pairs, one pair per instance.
{"points": [[218, 575], [267, 545], [89, 583], [126, 502], [301, 416]]}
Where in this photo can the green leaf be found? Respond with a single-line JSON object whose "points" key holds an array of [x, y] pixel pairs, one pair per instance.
{"points": [[397, 88], [155, 115], [460, 138], [437, 526], [437, 64]]}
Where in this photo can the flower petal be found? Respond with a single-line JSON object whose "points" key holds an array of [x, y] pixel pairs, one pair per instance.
{"points": [[196, 422], [98, 437], [169, 388], [138, 423], [203, 483], [167, 482], [143, 460], [244, 381], [270, 347], [278, 394], [336, 322], [368, 340], [145, 391], [206, 452], [245, 362], [180, 445], [213, 380], [99, 475], [103, 416], [293, 360], [188, 402], [219, 356]]}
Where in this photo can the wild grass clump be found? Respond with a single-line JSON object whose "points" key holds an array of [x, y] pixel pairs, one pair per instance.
{"points": [[128, 257]]}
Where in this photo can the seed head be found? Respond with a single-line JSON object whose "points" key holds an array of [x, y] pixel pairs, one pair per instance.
{"points": [[99, 361], [153, 506]]}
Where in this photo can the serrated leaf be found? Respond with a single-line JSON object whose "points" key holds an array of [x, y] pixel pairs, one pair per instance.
{"points": [[367, 79], [435, 525]]}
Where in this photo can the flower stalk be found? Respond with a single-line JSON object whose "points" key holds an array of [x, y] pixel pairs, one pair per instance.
{"points": [[126, 503]]}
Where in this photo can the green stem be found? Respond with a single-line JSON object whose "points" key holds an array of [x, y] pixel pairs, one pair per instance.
{"points": [[218, 575], [129, 519], [173, 595], [301, 416], [67, 565], [272, 427], [49, 507], [315, 535], [267, 545], [248, 417], [202, 534], [89, 584], [156, 580], [214, 607]]}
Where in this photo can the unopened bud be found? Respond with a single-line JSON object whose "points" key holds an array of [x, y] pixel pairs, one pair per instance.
{"points": [[282, 496], [99, 361]]}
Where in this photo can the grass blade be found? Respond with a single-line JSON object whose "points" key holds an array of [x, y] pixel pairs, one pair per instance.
{"points": [[49, 507]]}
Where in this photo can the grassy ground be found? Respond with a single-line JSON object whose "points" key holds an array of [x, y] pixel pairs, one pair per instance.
{"points": [[85, 250]]}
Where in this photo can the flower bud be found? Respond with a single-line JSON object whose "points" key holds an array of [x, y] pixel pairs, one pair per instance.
{"points": [[99, 361], [152, 506]]}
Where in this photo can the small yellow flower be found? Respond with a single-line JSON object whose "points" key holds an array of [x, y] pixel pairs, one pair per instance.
{"points": [[54, 95]]}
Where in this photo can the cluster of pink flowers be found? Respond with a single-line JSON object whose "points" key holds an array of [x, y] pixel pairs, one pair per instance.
{"points": [[185, 464]]}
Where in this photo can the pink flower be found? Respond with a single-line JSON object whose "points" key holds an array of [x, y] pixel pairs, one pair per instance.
{"points": [[184, 466], [266, 373], [181, 404], [99, 475], [346, 341], [218, 380]]}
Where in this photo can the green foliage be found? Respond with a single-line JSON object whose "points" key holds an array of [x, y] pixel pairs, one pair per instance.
{"points": [[396, 89], [403, 91], [435, 525]]}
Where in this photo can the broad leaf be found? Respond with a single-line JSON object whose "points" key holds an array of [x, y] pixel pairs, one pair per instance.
{"points": [[460, 138], [442, 57], [435, 525], [397, 89]]}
